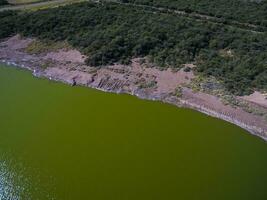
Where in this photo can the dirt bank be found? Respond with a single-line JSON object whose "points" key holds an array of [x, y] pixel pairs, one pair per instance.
{"points": [[139, 78]]}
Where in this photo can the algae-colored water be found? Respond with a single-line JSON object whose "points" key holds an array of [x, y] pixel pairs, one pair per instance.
{"points": [[72, 143]]}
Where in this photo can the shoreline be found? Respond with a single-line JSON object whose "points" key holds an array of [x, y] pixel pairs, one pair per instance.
{"points": [[137, 79], [182, 104]]}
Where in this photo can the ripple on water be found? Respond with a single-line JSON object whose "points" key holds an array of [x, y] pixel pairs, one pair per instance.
{"points": [[17, 184], [12, 185]]}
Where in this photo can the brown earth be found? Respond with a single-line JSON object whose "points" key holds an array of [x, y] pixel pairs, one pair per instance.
{"points": [[257, 98]]}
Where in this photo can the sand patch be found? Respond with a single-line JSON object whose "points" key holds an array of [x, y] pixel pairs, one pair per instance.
{"points": [[17, 42], [62, 55]]}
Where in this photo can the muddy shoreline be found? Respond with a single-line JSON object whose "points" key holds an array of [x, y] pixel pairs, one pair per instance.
{"points": [[138, 79]]}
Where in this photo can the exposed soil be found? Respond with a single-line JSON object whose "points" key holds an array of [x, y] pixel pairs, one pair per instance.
{"points": [[138, 79], [62, 55], [257, 98]]}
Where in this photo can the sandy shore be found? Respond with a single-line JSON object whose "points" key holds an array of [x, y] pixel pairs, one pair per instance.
{"points": [[139, 79]]}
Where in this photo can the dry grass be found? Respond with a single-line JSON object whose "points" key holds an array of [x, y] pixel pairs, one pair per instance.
{"points": [[38, 47]]}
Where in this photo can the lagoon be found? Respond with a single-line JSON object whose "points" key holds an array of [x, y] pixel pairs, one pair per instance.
{"points": [[59, 142]]}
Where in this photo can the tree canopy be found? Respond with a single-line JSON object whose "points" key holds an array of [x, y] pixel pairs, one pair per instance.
{"points": [[245, 11], [3, 2], [110, 33]]}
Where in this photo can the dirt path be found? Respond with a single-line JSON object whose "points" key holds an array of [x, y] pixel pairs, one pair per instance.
{"points": [[197, 16], [38, 5], [54, 3]]}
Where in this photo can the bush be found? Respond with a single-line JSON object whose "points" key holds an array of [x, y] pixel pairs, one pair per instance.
{"points": [[3, 2], [110, 33]]}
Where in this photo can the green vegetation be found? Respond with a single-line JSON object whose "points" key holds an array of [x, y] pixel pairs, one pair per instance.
{"points": [[110, 33], [245, 11], [3, 2], [37, 46], [7, 23], [178, 92]]}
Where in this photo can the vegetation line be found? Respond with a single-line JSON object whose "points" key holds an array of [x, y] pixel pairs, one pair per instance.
{"points": [[109, 33], [39, 4], [195, 15]]}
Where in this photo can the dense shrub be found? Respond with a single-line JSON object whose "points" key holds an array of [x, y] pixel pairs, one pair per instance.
{"points": [[3, 2], [246, 11], [109, 33], [7, 23]]}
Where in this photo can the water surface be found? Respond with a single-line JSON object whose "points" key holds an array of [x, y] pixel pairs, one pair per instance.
{"points": [[72, 143]]}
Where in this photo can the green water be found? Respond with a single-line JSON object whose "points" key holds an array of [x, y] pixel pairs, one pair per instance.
{"points": [[72, 143]]}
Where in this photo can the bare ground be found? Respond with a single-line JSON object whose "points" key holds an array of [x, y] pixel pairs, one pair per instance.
{"points": [[257, 98], [137, 79]]}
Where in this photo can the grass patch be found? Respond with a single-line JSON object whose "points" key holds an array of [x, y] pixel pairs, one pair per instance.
{"points": [[38, 47], [110, 33]]}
